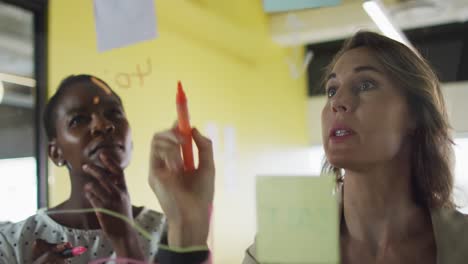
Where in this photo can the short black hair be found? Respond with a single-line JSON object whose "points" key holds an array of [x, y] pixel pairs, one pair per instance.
{"points": [[50, 114]]}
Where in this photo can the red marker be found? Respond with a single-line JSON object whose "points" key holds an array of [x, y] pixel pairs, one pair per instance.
{"points": [[73, 252], [184, 128]]}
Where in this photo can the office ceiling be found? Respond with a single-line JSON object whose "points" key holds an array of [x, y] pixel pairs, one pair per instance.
{"points": [[331, 23]]}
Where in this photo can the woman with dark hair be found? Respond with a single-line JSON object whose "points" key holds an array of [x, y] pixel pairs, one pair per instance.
{"points": [[89, 134], [386, 138]]}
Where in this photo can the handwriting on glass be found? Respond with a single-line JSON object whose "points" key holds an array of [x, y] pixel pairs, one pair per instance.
{"points": [[135, 77]]}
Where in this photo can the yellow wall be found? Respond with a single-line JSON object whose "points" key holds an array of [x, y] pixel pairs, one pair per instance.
{"points": [[314, 111], [233, 74]]}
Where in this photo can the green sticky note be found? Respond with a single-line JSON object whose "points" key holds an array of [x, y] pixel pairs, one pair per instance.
{"points": [[297, 220]]}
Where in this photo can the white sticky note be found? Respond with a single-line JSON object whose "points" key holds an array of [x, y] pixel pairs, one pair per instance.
{"points": [[297, 220], [121, 23]]}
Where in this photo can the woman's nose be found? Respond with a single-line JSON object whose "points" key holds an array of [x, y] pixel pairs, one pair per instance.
{"points": [[101, 126], [339, 107], [343, 101]]}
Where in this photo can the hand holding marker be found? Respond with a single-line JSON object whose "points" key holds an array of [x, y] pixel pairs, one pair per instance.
{"points": [[72, 252], [184, 128]]}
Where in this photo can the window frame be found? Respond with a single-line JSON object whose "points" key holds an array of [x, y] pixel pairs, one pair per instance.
{"points": [[39, 9]]}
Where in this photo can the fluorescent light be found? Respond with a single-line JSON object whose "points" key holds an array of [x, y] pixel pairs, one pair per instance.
{"points": [[2, 91], [377, 13]]}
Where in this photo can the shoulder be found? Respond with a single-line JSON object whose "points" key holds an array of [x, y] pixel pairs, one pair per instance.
{"points": [[250, 254], [30, 227], [23, 230], [150, 220], [2, 224], [451, 234], [10, 228], [450, 219], [15, 238], [151, 226], [150, 216]]}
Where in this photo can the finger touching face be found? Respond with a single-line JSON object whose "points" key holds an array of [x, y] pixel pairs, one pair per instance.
{"points": [[90, 122]]}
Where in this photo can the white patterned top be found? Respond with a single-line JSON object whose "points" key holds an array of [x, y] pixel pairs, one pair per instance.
{"points": [[16, 239]]}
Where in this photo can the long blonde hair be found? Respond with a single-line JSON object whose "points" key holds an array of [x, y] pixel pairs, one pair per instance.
{"points": [[431, 161]]}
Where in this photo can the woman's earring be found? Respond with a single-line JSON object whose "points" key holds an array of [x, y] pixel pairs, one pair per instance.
{"points": [[60, 163]]}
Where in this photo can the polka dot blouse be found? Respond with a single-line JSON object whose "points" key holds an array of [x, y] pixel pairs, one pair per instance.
{"points": [[16, 239]]}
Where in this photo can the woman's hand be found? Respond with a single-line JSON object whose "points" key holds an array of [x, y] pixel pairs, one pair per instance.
{"points": [[186, 197], [44, 252], [109, 191]]}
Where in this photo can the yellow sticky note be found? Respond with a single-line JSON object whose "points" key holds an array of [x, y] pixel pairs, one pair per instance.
{"points": [[297, 220]]}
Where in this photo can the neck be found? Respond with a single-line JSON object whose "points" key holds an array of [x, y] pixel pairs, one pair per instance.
{"points": [[77, 200], [378, 204]]}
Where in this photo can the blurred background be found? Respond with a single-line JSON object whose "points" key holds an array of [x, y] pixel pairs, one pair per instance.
{"points": [[251, 71]]}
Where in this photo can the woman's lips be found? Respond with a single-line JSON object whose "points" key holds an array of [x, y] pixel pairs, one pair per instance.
{"points": [[341, 133]]}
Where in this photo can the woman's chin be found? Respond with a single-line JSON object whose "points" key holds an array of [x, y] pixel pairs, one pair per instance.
{"points": [[339, 162]]}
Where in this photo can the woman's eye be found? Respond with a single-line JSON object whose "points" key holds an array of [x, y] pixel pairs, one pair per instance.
{"points": [[365, 86], [116, 113], [77, 120], [331, 92]]}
